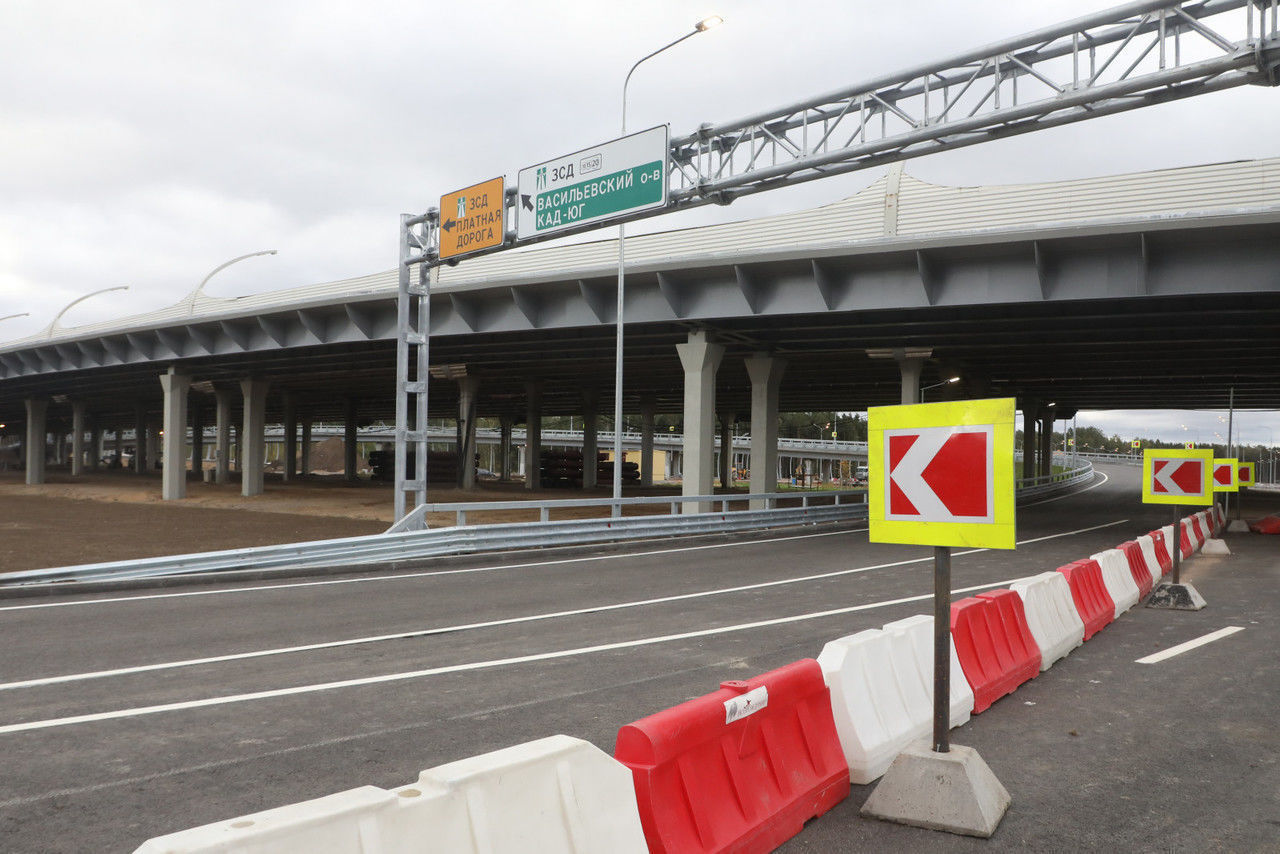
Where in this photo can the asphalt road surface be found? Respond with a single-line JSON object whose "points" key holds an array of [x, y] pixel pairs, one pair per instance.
{"points": [[130, 714]]}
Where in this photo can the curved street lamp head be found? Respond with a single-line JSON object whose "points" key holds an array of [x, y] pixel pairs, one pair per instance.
{"points": [[53, 324], [195, 295], [700, 27]]}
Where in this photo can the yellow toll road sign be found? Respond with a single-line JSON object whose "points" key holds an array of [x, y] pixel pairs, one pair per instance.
{"points": [[1244, 474], [1226, 475], [941, 474], [1177, 477], [473, 218]]}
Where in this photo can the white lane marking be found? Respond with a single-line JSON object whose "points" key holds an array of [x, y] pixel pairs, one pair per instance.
{"points": [[406, 575], [293, 749], [460, 668], [1156, 658], [1105, 478], [414, 633]]}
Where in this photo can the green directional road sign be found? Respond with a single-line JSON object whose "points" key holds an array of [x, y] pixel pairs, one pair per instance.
{"points": [[613, 178]]}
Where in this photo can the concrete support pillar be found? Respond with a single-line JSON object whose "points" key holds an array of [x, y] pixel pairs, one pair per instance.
{"points": [[253, 436], [197, 439], [77, 438], [1046, 445], [504, 449], [304, 464], [95, 447], [290, 437], [1029, 444], [468, 390], [174, 478], [700, 359], [140, 440], [37, 423], [222, 439], [533, 435], [349, 440], [153, 445], [647, 408], [910, 366], [727, 419], [766, 379], [590, 439]]}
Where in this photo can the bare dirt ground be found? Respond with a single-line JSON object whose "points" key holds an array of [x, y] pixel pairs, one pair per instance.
{"points": [[118, 515]]}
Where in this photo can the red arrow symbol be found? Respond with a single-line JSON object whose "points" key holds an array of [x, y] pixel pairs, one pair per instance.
{"points": [[1183, 474], [899, 503], [958, 474], [1222, 474]]}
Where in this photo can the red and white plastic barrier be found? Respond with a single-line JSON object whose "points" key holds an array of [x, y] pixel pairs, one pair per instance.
{"points": [[1118, 579], [996, 649], [878, 702], [741, 769], [1137, 566], [1160, 540], [557, 794], [1089, 594], [1188, 538], [1150, 560], [1051, 615], [918, 630], [881, 683]]}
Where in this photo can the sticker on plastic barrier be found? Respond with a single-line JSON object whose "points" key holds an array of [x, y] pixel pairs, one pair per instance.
{"points": [[942, 473], [748, 704]]}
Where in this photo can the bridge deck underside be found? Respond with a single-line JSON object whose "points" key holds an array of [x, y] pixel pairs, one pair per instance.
{"points": [[1174, 352]]}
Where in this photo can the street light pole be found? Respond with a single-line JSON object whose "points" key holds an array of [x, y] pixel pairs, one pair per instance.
{"points": [[947, 381], [194, 295], [700, 27], [53, 324]]}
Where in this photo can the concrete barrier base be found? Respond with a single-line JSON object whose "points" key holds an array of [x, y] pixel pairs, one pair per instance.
{"points": [[1214, 547], [1176, 597], [956, 792], [1238, 526]]}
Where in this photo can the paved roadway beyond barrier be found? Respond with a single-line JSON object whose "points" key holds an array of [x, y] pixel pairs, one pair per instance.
{"points": [[131, 714]]}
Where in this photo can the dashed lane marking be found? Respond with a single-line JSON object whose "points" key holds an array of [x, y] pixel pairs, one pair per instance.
{"points": [[1156, 658], [530, 618]]}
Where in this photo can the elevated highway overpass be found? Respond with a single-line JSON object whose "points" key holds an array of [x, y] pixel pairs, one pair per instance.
{"points": [[1150, 290]]}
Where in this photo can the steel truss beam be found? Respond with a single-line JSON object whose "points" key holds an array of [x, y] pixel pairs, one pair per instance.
{"points": [[1137, 55]]}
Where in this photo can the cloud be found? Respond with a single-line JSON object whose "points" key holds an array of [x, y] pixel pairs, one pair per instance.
{"points": [[145, 143]]}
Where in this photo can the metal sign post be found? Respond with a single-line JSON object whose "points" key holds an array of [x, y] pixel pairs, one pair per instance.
{"points": [[1177, 544], [942, 649], [942, 475], [1177, 478]]}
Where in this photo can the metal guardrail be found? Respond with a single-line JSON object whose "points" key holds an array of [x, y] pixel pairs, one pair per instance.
{"points": [[413, 545], [396, 546], [413, 520], [1035, 486]]}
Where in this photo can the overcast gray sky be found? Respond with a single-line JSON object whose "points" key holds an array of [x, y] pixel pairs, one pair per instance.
{"points": [[144, 143]]}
